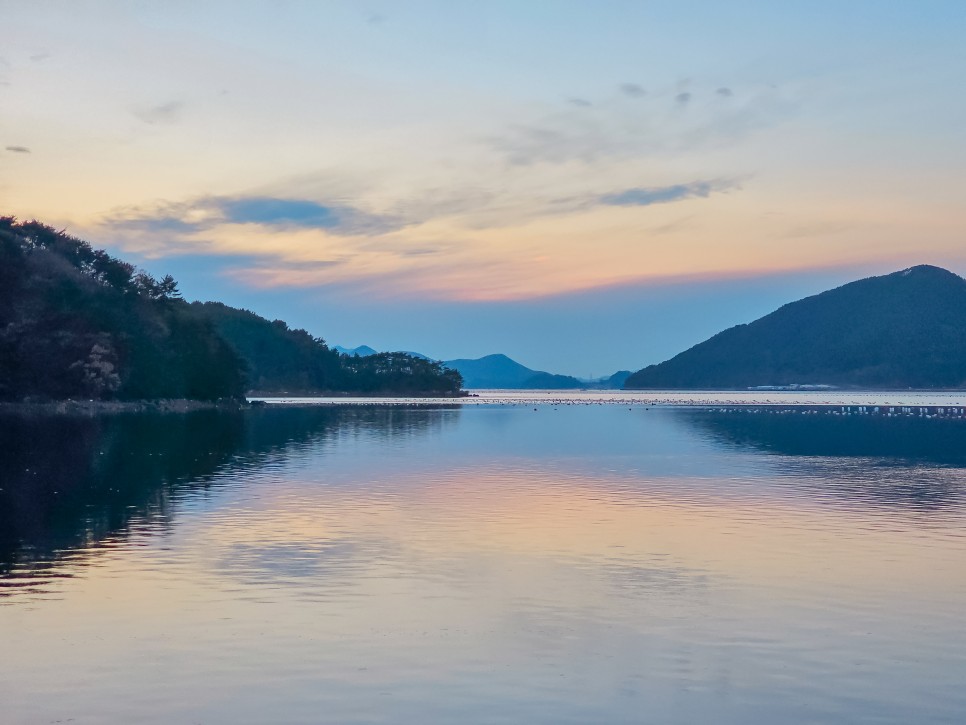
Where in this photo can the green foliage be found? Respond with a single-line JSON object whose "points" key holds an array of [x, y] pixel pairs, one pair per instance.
{"points": [[277, 358], [283, 360], [903, 330], [76, 322], [399, 373]]}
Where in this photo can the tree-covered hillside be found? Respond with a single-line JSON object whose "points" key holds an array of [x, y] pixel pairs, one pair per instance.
{"points": [[76, 322], [902, 330], [276, 357], [280, 359]]}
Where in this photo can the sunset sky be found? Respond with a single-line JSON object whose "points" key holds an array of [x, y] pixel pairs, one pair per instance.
{"points": [[582, 186]]}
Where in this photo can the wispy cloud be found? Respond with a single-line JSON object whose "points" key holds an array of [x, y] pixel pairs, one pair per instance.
{"points": [[634, 131], [192, 217], [444, 252], [558, 139], [725, 92], [646, 196], [165, 113], [579, 102], [18, 149], [633, 90], [266, 275], [481, 211], [302, 213]]}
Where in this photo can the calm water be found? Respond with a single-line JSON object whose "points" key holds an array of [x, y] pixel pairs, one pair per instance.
{"points": [[483, 564], [668, 397]]}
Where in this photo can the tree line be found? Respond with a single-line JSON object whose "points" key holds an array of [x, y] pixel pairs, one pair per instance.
{"points": [[76, 322]]}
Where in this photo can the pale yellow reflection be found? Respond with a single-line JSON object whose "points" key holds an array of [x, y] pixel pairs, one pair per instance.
{"points": [[582, 522]]}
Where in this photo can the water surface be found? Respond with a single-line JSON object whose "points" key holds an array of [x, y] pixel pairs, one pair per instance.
{"points": [[485, 564]]}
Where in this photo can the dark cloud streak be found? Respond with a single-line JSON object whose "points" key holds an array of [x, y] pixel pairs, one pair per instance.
{"points": [[279, 212], [647, 196], [196, 216], [303, 214]]}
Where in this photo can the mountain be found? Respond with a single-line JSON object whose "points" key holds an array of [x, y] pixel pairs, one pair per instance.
{"points": [[499, 371], [550, 381], [361, 351], [491, 371], [282, 360], [366, 351], [901, 330], [617, 380], [76, 322]]}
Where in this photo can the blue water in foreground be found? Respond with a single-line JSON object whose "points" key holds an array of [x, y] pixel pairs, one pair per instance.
{"points": [[483, 564]]}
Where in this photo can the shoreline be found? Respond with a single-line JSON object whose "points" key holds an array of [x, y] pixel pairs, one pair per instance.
{"points": [[91, 408], [260, 395]]}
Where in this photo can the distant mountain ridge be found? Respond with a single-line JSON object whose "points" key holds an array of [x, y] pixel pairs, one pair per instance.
{"points": [[902, 330], [366, 351], [361, 351], [499, 371]]}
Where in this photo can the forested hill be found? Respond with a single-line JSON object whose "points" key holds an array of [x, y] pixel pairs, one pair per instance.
{"points": [[902, 330], [76, 322], [282, 360]]}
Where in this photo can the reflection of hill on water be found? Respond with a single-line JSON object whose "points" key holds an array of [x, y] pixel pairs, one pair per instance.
{"points": [[68, 483], [875, 460], [932, 440]]}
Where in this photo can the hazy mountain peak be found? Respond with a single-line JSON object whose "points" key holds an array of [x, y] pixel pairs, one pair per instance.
{"points": [[927, 270]]}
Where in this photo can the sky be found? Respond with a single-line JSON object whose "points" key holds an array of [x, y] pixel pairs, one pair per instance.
{"points": [[585, 187]]}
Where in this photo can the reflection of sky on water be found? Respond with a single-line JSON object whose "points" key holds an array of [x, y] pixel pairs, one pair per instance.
{"points": [[494, 564]]}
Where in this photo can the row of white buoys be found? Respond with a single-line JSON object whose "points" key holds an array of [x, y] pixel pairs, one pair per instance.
{"points": [[872, 405], [914, 411]]}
